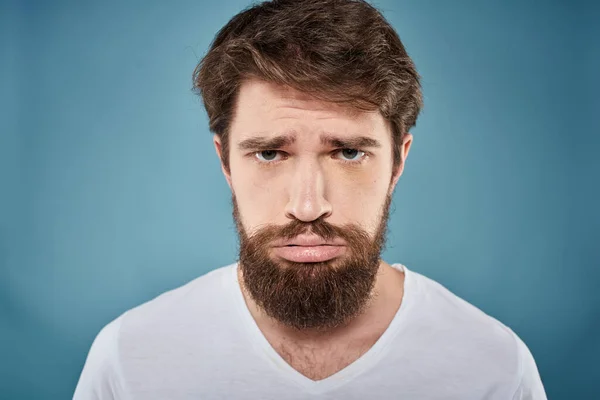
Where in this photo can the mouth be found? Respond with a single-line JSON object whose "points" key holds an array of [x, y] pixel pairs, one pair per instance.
{"points": [[305, 249]]}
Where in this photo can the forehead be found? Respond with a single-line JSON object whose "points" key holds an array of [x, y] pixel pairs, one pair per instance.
{"points": [[263, 106]]}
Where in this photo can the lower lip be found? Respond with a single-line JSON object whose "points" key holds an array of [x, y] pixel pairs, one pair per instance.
{"points": [[307, 254]]}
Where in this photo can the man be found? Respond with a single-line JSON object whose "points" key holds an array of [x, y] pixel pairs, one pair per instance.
{"points": [[311, 102]]}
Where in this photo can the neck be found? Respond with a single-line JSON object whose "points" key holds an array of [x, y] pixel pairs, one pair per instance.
{"points": [[387, 295]]}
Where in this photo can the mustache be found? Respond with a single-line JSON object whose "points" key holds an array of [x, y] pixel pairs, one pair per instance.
{"points": [[351, 233]]}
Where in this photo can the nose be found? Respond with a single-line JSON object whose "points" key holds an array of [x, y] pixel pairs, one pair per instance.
{"points": [[307, 193]]}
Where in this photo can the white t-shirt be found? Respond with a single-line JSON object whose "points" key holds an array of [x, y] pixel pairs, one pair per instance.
{"points": [[200, 341]]}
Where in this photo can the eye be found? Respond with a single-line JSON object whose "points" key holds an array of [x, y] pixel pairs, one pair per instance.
{"points": [[267, 155], [351, 154]]}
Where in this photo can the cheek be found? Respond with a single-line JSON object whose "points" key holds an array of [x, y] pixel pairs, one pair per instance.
{"points": [[359, 197], [260, 199]]}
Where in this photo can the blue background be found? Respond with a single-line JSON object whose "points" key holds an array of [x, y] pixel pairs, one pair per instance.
{"points": [[111, 192]]}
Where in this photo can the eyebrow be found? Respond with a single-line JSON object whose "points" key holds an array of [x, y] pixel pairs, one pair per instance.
{"points": [[358, 142], [257, 142], [262, 143]]}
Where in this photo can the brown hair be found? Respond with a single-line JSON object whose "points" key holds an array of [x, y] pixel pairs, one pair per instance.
{"points": [[342, 51]]}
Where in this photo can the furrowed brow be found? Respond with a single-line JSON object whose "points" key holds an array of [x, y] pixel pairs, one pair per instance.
{"points": [[358, 142], [263, 143]]}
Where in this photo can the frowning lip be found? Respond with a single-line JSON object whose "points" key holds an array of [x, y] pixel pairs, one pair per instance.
{"points": [[308, 241], [308, 249]]}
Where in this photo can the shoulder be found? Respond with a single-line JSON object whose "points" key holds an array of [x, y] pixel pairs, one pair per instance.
{"points": [[445, 310], [530, 384], [461, 331], [151, 322], [204, 298], [210, 286], [100, 378]]}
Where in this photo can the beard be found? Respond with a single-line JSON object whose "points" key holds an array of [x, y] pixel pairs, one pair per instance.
{"points": [[318, 295]]}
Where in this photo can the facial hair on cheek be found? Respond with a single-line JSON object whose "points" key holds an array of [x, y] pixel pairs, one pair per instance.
{"points": [[320, 295]]}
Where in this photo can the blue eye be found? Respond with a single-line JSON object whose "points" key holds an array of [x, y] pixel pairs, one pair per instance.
{"points": [[267, 155], [351, 154]]}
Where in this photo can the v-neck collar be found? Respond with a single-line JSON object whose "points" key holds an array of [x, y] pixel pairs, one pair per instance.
{"points": [[345, 375]]}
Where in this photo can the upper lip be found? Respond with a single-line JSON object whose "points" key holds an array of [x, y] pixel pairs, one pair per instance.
{"points": [[307, 240]]}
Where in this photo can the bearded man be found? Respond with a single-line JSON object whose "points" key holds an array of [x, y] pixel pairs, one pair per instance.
{"points": [[310, 103]]}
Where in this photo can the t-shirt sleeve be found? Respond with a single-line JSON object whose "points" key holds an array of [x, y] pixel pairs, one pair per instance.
{"points": [[100, 378], [531, 387]]}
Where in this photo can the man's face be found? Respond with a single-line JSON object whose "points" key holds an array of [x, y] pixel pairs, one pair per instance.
{"points": [[311, 184]]}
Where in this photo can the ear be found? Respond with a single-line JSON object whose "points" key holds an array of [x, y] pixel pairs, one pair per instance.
{"points": [[404, 149], [219, 150]]}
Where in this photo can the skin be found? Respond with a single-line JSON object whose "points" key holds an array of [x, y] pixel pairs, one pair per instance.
{"points": [[308, 178]]}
